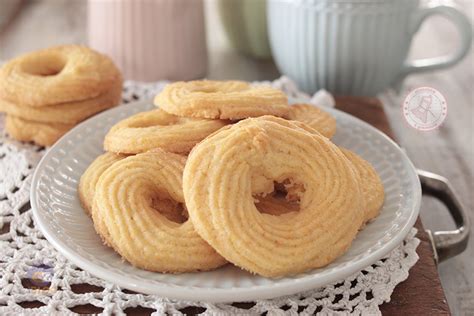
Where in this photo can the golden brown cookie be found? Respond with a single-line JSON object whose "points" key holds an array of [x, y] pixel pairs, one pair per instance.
{"points": [[370, 183], [125, 206], [67, 113], [219, 192], [90, 177], [43, 134], [172, 210], [61, 74], [221, 100], [314, 117], [158, 129]]}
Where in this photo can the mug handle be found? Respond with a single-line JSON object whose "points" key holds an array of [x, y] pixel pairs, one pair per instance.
{"points": [[464, 29]]}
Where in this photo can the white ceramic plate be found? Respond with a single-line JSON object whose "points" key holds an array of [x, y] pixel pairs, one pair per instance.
{"points": [[58, 214]]}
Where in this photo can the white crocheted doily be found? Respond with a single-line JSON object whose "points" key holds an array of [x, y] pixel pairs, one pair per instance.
{"points": [[31, 270]]}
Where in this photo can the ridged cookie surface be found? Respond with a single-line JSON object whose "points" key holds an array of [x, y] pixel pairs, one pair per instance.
{"points": [[66, 113], [159, 129], [221, 99], [219, 192], [370, 183], [125, 204], [57, 75], [90, 177]]}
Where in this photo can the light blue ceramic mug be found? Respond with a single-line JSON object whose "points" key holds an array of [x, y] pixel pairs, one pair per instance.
{"points": [[354, 47]]}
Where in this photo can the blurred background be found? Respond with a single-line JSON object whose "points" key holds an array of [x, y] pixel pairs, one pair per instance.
{"points": [[43, 23], [26, 25]]}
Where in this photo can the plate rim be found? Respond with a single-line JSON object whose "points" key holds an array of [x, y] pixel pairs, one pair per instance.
{"points": [[220, 295]]}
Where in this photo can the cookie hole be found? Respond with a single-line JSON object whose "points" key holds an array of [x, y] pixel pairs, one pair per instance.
{"points": [[45, 65], [169, 208], [276, 204], [285, 198]]}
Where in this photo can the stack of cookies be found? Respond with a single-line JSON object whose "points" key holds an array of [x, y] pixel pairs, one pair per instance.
{"points": [[190, 111], [47, 92], [226, 172]]}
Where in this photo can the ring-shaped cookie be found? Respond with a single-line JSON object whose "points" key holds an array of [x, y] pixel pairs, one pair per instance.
{"points": [[125, 199], [66, 113], [57, 75], [219, 192], [221, 100], [159, 129], [86, 191]]}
